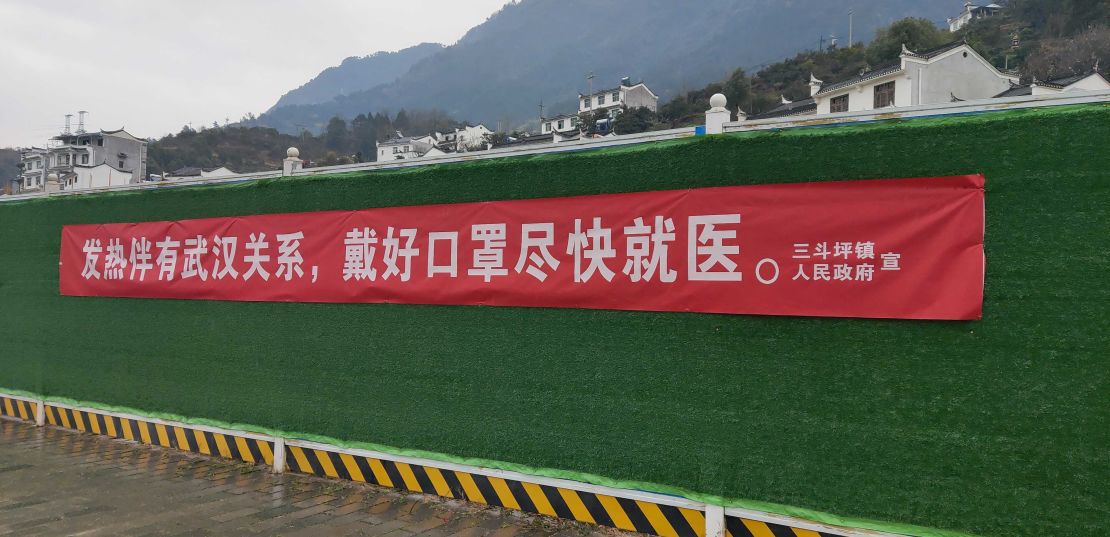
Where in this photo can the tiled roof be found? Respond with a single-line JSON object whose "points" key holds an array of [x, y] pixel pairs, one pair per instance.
{"points": [[863, 77], [934, 52], [796, 108], [1060, 83], [1016, 90]]}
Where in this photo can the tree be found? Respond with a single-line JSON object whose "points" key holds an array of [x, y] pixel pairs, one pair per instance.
{"points": [[401, 122], [915, 33], [364, 135], [1056, 58], [336, 135], [632, 121], [738, 89]]}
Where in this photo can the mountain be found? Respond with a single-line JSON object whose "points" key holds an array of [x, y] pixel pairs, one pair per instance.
{"points": [[534, 50], [358, 73]]}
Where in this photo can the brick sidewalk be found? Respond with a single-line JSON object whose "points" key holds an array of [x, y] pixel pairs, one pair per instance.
{"points": [[55, 482]]}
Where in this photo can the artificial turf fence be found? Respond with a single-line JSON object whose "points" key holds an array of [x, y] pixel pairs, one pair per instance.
{"points": [[996, 427]]}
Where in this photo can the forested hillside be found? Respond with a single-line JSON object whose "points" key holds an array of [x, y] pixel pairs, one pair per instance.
{"points": [[250, 149], [542, 50]]}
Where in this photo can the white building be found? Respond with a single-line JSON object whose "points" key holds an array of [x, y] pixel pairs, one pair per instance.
{"points": [[941, 75], [476, 138], [970, 13], [192, 172], [1092, 81], [407, 147], [98, 176], [627, 94], [562, 124], [953, 72], [70, 153]]}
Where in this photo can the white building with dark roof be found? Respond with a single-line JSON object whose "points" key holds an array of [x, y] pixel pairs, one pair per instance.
{"points": [[970, 13], [953, 72], [1091, 81], [628, 95]]}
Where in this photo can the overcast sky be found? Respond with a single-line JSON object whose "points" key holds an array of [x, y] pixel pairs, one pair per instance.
{"points": [[154, 65]]}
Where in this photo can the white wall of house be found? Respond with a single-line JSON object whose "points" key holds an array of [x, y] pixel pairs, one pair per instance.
{"points": [[98, 176], [960, 72], [635, 96], [407, 149], [639, 96], [472, 138], [1093, 82], [559, 124]]}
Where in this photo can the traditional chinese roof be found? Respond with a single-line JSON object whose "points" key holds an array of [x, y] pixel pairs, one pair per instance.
{"points": [[400, 141], [1016, 90], [796, 108], [934, 52], [862, 77], [558, 117], [1063, 82]]}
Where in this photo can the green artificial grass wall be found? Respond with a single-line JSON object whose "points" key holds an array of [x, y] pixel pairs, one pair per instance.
{"points": [[997, 427]]}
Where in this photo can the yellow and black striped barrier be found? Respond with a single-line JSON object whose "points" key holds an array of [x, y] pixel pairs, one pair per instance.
{"points": [[18, 408], [156, 433], [590, 507], [540, 497], [744, 527]]}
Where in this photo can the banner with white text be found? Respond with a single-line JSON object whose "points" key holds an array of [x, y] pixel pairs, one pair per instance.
{"points": [[887, 248]]}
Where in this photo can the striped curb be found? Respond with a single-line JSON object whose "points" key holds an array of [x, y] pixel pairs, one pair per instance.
{"points": [[204, 440], [18, 407]]}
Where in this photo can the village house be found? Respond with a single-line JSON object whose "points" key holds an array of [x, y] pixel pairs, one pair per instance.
{"points": [[1090, 81], [563, 123], [407, 147], [84, 160], [628, 95], [970, 13], [953, 72], [609, 102]]}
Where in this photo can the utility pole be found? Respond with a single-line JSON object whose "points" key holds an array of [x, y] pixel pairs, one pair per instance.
{"points": [[850, 42], [541, 110], [590, 79]]}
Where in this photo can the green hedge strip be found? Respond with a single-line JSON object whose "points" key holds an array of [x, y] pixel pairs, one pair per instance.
{"points": [[995, 427]]}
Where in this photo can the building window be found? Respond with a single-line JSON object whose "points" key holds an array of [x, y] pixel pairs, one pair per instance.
{"points": [[615, 97], [100, 142], [560, 123], [838, 104], [601, 99], [84, 159], [884, 95], [547, 126], [121, 164], [586, 102]]}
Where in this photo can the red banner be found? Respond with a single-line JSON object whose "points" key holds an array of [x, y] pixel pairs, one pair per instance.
{"points": [[890, 248]]}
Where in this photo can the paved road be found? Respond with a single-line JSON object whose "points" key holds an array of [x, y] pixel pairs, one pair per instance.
{"points": [[57, 482]]}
